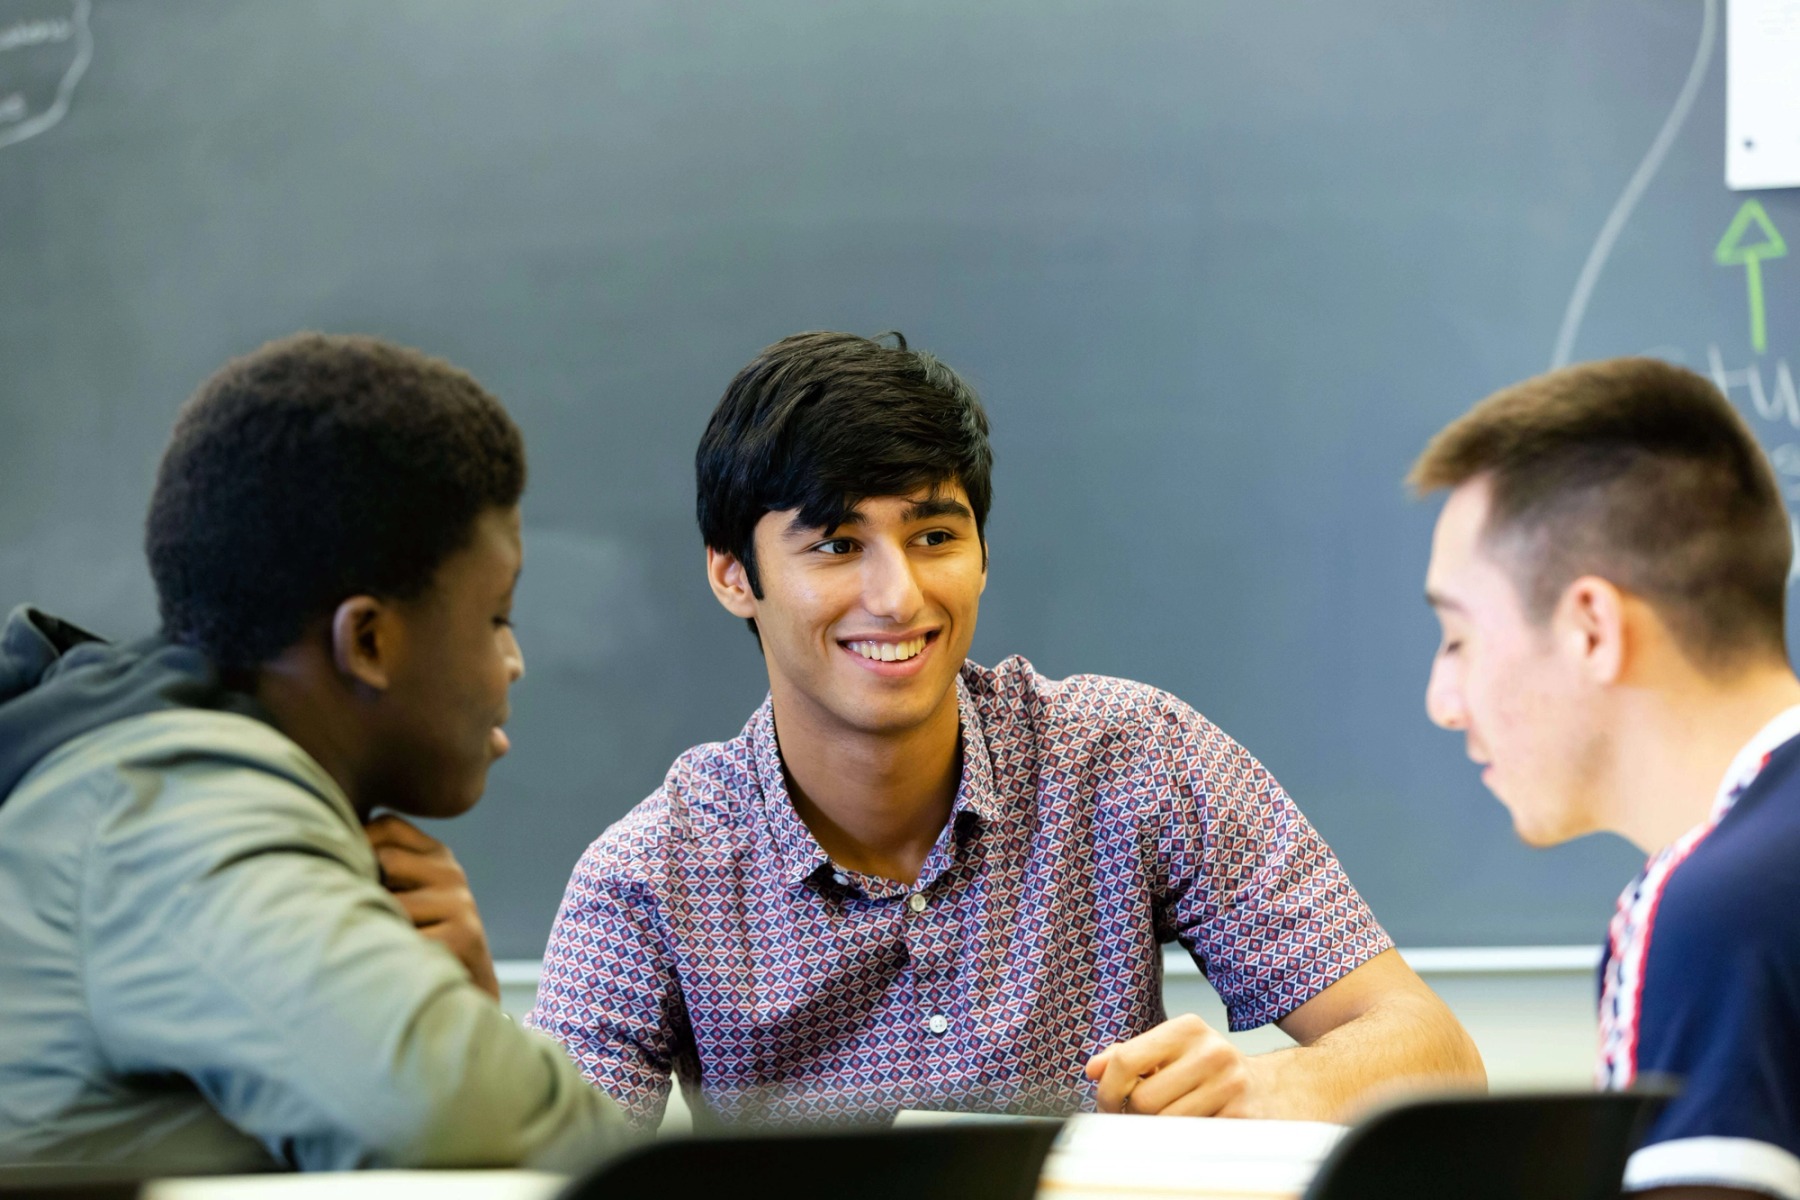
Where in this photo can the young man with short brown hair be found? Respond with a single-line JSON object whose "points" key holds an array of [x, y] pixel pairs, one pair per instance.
{"points": [[1610, 572]]}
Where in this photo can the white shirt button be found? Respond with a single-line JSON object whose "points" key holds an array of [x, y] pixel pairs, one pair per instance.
{"points": [[917, 903], [937, 1023], [840, 877]]}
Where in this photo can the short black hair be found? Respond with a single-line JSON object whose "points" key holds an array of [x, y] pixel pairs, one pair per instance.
{"points": [[317, 468], [1641, 472], [820, 421]]}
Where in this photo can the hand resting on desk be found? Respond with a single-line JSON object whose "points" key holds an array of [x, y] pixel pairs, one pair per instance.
{"points": [[1376, 1029]]}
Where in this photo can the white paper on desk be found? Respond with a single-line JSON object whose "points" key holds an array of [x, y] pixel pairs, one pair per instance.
{"points": [[1762, 94], [1103, 1157], [1100, 1156], [364, 1185]]}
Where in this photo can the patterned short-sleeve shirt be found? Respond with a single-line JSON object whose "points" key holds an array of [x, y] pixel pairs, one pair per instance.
{"points": [[708, 936]]}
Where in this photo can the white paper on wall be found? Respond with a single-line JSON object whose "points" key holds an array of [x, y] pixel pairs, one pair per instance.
{"points": [[1762, 94]]}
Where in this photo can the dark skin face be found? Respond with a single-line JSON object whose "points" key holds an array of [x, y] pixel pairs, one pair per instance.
{"points": [[402, 703], [451, 658]]}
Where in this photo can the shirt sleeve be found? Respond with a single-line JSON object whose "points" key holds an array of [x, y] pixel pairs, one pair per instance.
{"points": [[1720, 1015], [235, 934], [609, 991], [1245, 882]]}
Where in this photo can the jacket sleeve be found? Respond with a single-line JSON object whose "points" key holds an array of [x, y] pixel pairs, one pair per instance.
{"points": [[235, 933]]}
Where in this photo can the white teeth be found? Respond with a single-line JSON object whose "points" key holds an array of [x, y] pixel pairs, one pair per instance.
{"points": [[889, 651]]}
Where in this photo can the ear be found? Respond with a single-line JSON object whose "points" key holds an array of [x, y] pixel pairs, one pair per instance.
{"points": [[364, 640], [984, 566], [1591, 624], [730, 583]]}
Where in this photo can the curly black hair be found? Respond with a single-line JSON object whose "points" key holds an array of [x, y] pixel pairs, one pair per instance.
{"points": [[317, 468]]}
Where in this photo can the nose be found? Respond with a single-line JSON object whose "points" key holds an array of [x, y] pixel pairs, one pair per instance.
{"points": [[515, 658], [1443, 696], [890, 589]]}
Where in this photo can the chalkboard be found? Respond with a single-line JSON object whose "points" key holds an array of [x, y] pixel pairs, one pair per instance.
{"points": [[1219, 270]]}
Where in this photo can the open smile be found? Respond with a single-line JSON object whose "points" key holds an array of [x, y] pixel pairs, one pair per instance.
{"points": [[889, 655]]}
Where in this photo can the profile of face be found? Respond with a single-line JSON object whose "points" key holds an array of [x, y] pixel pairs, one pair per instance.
{"points": [[864, 626], [447, 660], [1518, 690]]}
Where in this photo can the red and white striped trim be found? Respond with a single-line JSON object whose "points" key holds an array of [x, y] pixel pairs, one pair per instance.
{"points": [[1628, 948], [1628, 935]]}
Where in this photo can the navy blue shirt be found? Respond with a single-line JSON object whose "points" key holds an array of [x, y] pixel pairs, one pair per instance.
{"points": [[1701, 981]]}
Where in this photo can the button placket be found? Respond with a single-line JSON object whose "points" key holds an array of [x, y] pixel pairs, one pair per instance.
{"points": [[928, 935]]}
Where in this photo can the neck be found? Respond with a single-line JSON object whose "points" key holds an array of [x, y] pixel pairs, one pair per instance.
{"points": [[1683, 740], [299, 693], [876, 802]]}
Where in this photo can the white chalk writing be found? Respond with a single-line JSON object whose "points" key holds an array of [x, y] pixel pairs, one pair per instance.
{"points": [[1780, 404], [35, 33]]}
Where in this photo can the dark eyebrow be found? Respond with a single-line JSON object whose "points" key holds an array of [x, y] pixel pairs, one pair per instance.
{"points": [[798, 527], [937, 506], [1440, 601], [918, 510]]}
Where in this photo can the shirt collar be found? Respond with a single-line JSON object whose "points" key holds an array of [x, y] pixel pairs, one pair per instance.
{"points": [[796, 849], [1748, 764]]}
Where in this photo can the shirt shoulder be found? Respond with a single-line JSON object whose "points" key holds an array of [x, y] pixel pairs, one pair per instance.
{"points": [[704, 806], [1077, 711], [1737, 891]]}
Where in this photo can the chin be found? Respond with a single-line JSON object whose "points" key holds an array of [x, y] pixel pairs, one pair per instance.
{"points": [[893, 718], [1539, 833], [447, 802]]}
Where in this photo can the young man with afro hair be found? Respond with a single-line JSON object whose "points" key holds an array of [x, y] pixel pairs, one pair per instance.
{"points": [[214, 954]]}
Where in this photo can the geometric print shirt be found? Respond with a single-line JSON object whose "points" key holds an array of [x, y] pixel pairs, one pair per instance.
{"points": [[1700, 983], [707, 936]]}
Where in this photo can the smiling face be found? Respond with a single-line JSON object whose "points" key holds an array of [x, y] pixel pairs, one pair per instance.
{"points": [[440, 718], [865, 626], [1509, 684]]}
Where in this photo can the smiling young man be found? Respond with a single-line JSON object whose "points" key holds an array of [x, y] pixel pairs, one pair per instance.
{"points": [[916, 882], [211, 957], [1610, 570]]}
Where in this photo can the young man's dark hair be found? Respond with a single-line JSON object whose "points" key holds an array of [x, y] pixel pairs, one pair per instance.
{"points": [[1639, 471], [316, 468], [229, 960], [819, 421]]}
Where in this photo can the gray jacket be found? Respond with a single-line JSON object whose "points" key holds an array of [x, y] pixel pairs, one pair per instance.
{"points": [[199, 969]]}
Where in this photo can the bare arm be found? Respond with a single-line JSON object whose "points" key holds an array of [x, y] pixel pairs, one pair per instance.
{"points": [[1377, 1030]]}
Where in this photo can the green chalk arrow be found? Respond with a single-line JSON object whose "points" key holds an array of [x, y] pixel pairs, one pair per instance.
{"points": [[1737, 250]]}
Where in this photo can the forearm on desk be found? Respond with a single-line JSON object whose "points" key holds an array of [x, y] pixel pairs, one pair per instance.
{"points": [[1399, 1039]]}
